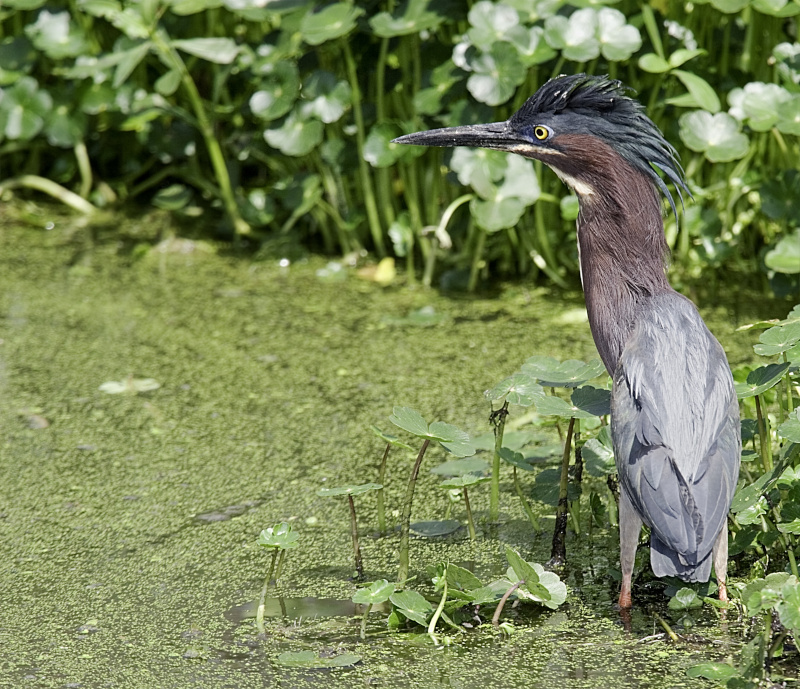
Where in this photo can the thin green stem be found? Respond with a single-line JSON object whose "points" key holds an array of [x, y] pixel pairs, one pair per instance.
{"points": [[763, 436], [438, 612], [381, 478], [263, 600], [477, 258], [364, 621], [558, 553], [470, 522], [370, 204], [354, 533], [281, 560], [405, 524], [787, 382], [498, 419], [84, 167], [163, 44], [525, 504]]}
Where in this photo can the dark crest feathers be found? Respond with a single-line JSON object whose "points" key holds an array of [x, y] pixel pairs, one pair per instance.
{"points": [[614, 117]]}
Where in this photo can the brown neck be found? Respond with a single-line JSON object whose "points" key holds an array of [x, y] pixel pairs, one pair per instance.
{"points": [[623, 251]]}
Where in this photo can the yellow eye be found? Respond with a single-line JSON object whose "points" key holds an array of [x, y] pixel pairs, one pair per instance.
{"points": [[540, 132]]}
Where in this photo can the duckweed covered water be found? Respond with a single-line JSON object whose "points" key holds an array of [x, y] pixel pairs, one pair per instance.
{"points": [[128, 522]]}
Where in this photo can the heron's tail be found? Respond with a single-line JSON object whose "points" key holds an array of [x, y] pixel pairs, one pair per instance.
{"points": [[668, 563]]}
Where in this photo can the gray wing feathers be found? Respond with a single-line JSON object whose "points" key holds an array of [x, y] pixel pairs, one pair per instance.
{"points": [[675, 426]]}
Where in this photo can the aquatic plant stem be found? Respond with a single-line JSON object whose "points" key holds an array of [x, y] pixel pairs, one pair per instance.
{"points": [[364, 621], [280, 566], [405, 523], [163, 44], [558, 553], [525, 504], [370, 204], [381, 476], [470, 522], [763, 437], [263, 600], [51, 188], [354, 532], [498, 611], [498, 419], [787, 381], [672, 635], [438, 612]]}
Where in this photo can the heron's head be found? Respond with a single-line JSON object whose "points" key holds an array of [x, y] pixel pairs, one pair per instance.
{"points": [[586, 128]]}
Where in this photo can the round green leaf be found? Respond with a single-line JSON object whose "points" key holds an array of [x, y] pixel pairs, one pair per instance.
{"points": [[576, 36], [280, 537], [618, 39], [412, 605], [23, 108], [779, 196], [789, 606], [496, 74], [571, 373], [491, 22], [277, 91], [521, 389], [760, 380], [493, 216], [327, 97], [598, 458], [65, 126], [435, 528], [780, 338], [717, 136], [379, 151], [413, 16], [789, 116], [295, 137], [457, 467], [348, 490], [464, 481], [330, 22], [790, 429], [720, 672], [56, 35], [784, 257], [757, 104], [375, 593], [409, 420]]}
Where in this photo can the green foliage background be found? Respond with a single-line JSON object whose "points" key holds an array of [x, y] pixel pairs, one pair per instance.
{"points": [[279, 114]]}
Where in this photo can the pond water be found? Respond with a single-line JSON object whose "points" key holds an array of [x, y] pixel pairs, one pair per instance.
{"points": [[128, 522]]}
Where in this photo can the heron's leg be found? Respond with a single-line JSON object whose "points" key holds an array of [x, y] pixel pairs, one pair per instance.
{"points": [[720, 557], [630, 526]]}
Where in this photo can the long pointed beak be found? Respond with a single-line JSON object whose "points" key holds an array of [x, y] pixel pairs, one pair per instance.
{"points": [[497, 135]]}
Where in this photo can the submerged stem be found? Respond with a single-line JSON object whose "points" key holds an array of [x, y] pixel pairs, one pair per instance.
{"points": [[438, 613], [525, 504], [558, 553], [381, 476], [501, 604], [364, 621], [763, 438], [498, 418], [263, 600], [470, 522], [354, 532], [405, 523]]}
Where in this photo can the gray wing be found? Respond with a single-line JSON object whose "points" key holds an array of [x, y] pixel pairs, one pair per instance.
{"points": [[676, 433]]}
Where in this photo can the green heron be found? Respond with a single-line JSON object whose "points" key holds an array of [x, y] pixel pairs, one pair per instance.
{"points": [[674, 413]]}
